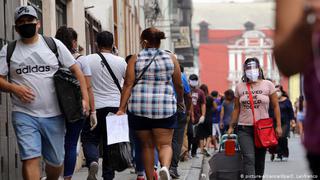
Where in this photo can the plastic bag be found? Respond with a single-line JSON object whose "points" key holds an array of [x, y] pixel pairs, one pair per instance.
{"points": [[119, 156]]}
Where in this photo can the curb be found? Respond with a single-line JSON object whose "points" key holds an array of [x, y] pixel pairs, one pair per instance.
{"points": [[196, 168]]}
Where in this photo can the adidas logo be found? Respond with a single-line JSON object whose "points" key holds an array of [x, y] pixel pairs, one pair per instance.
{"points": [[33, 69]]}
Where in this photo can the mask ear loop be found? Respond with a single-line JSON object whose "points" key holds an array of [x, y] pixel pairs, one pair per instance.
{"points": [[316, 54]]}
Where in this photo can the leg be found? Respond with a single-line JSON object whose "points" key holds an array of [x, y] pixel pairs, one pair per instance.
{"points": [[28, 136], [247, 149], [177, 140], [31, 169], [70, 146], [52, 131], [53, 172], [260, 156], [147, 145], [138, 157], [108, 173], [163, 141]]}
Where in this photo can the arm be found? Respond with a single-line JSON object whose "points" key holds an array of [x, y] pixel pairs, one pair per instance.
{"points": [[293, 36], [188, 101], [176, 78], [24, 93], [90, 93], [75, 69], [235, 115], [277, 115], [221, 116], [128, 85]]}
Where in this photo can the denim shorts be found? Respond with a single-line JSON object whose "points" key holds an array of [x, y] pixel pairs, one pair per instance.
{"points": [[38, 136]]}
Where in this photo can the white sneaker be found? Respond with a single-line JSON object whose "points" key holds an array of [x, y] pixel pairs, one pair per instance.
{"points": [[93, 170], [164, 173]]}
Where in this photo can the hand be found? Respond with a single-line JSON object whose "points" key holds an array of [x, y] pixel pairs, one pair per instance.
{"points": [[93, 120], [230, 130], [201, 120], [221, 125], [85, 106], [120, 112], [279, 131], [24, 93]]}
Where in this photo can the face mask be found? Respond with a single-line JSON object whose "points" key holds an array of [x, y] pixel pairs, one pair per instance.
{"points": [[279, 94], [252, 74], [27, 30], [193, 83]]}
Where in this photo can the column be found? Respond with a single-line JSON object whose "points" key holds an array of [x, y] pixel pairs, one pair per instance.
{"points": [[269, 64], [232, 66], [239, 65], [49, 17]]}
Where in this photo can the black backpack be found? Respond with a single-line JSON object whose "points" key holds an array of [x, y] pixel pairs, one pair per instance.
{"points": [[66, 84]]}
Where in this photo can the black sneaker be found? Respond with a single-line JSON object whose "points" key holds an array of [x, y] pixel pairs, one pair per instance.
{"points": [[205, 153], [174, 173], [93, 170]]}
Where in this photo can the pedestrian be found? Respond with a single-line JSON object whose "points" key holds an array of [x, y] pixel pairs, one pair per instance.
{"points": [[216, 119], [178, 133], [68, 36], [297, 51], [264, 93], [106, 93], [151, 101], [226, 111], [199, 112], [36, 117], [206, 128], [287, 115], [301, 114]]}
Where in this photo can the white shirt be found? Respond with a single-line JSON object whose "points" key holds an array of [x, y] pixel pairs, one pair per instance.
{"points": [[106, 93], [34, 65], [83, 64]]}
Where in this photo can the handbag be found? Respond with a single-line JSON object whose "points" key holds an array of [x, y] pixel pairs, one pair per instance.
{"points": [[264, 134]]}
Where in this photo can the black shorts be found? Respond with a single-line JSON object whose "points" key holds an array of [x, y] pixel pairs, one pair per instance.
{"points": [[143, 123]]}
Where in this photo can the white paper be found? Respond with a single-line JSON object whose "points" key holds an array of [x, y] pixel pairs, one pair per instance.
{"points": [[117, 129]]}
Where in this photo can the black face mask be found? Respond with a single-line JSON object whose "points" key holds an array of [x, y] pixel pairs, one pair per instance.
{"points": [[27, 30]]}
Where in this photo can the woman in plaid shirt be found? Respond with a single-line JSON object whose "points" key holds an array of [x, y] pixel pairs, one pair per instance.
{"points": [[152, 103]]}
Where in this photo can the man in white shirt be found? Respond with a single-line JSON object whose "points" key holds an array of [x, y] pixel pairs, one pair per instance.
{"points": [[36, 116], [107, 100]]}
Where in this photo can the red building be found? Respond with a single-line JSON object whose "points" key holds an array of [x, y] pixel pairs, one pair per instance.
{"points": [[223, 52]]}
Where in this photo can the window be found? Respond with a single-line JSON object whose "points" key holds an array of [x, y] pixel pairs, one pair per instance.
{"points": [[61, 13], [37, 4]]}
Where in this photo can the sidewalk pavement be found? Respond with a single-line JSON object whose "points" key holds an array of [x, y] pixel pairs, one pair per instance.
{"points": [[189, 170]]}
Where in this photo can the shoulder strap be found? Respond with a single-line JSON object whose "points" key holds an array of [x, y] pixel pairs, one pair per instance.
{"points": [[251, 102], [145, 69], [10, 48], [105, 62], [53, 47]]}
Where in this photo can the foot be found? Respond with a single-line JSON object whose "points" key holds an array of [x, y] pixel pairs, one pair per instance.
{"points": [[155, 175], [140, 178], [205, 153], [164, 173], [93, 170], [174, 173], [272, 157]]}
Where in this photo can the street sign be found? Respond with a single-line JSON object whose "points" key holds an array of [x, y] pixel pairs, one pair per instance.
{"points": [[184, 40]]}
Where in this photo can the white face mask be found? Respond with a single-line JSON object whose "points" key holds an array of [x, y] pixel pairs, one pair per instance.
{"points": [[279, 94], [193, 83], [252, 74]]}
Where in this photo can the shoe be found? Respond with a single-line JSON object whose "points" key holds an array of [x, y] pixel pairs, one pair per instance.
{"points": [[164, 173], [272, 157], [93, 170], [174, 173], [140, 178], [205, 153]]}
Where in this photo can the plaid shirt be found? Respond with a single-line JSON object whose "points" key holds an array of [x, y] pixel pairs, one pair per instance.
{"points": [[153, 96]]}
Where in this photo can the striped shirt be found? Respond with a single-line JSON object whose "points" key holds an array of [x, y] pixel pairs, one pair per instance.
{"points": [[153, 96]]}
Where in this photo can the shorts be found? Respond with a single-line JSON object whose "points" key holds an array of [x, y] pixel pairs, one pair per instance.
{"points": [[38, 136], [216, 129], [143, 123]]}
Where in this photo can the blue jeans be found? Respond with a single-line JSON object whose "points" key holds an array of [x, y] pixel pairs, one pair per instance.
{"points": [[70, 146], [92, 139]]}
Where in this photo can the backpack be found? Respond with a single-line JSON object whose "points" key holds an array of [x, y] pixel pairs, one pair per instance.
{"points": [[67, 86]]}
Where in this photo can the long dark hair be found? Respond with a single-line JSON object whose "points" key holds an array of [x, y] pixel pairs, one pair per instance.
{"points": [[66, 35], [301, 100], [284, 93], [205, 89], [254, 59]]}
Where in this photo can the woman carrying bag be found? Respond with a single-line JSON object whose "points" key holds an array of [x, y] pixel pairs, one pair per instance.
{"points": [[252, 98]]}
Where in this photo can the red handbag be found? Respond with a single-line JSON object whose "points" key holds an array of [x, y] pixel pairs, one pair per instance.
{"points": [[264, 134]]}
